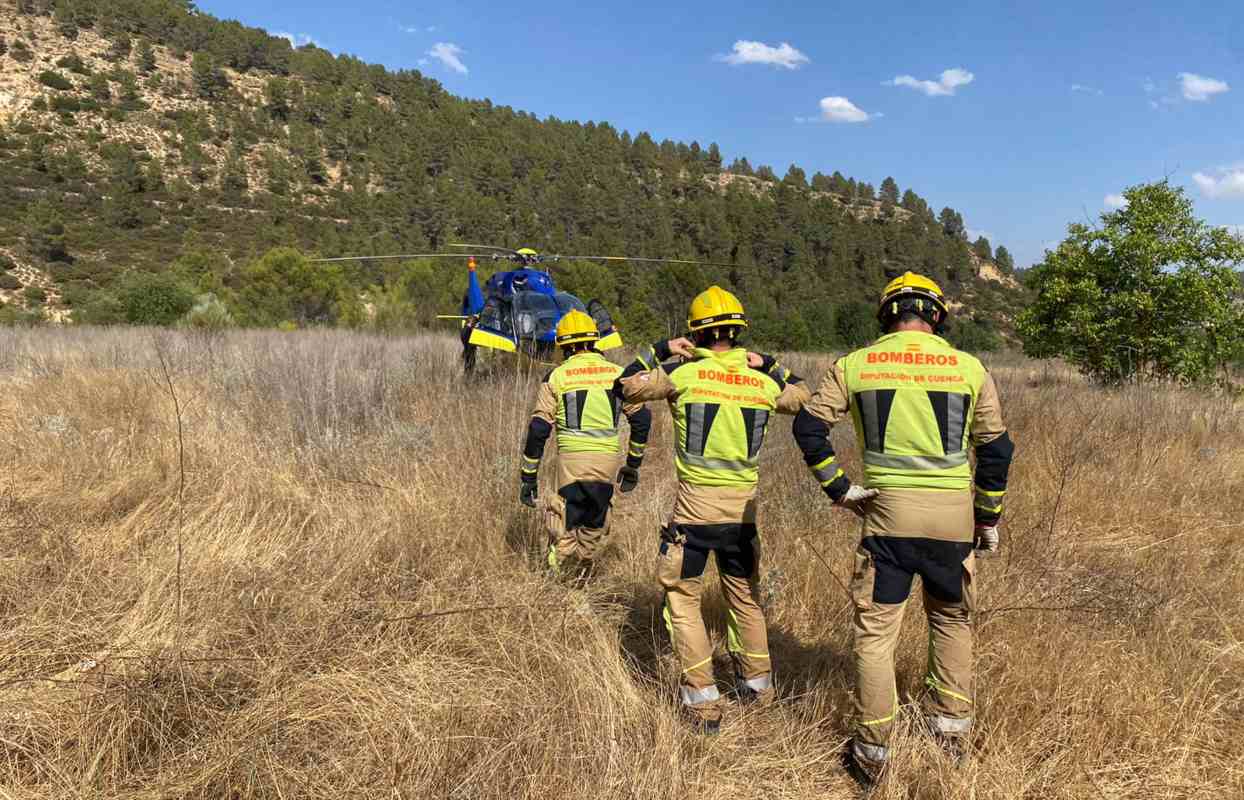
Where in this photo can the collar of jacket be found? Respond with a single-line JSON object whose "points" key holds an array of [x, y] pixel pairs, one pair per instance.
{"points": [[921, 335], [735, 357]]}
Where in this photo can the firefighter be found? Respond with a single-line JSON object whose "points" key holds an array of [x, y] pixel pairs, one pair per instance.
{"points": [[722, 399], [577, 397], [917, 404]]}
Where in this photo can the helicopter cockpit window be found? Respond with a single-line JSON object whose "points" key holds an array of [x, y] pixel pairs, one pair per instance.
{"points": [[493, 316], [567, 301], [535, 314]]}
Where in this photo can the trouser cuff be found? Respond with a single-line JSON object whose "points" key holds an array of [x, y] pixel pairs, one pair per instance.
{"points": [[691, 696], [949, 726]]}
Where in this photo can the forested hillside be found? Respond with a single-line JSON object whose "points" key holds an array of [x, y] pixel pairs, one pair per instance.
{"points": [[149, 153]]}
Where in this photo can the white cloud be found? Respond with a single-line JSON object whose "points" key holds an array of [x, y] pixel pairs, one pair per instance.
{"points": [[448, 54], [412, 29], [1221, 183], [1079, 87], [944, 86], [1114, 202], [1198, 88], [297, 40], [748, 52], [840, 109]]}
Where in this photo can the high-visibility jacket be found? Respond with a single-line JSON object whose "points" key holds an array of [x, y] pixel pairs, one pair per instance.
{"points": [[587, 411], [721, 409], [912, 399], [577, 399], [918, 404]]}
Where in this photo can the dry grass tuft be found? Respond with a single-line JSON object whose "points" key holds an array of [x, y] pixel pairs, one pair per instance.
{"points": [[360, 611]]}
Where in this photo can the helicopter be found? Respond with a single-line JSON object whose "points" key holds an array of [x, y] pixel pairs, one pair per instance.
{"points": [[517, 310]]}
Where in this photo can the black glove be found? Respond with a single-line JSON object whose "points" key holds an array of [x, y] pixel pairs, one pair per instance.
{"points": [[528, 494], [628, 477]]}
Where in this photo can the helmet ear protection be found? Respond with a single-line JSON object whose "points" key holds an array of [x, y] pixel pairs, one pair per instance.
{"points": [[914, 294]]}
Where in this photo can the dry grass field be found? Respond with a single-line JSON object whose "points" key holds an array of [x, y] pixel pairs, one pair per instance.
{"points": [[339, 596]]}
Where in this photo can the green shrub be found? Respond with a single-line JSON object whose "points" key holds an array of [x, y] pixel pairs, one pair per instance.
{"points": [[974, 335], [6, 263], [55, 80], [21, 52], [12, 315], [9, 282], [97, 308], [208, 314], [66, 105], [154, 298], [39, 104], [35, 295], [74, 64]]}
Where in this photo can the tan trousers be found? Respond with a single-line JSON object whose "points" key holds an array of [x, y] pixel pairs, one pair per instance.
{"points": [[680, 570], [577, 517], [948, 703]]}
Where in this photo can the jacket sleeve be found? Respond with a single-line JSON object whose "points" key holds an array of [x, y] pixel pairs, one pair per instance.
{"points": [[794, 391], [538, 430], [640, 420], [644, 380], [812, 428], [994, 452]]}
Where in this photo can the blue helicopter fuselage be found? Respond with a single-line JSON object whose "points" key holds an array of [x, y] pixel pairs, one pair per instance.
{"points": [[521, 284]]}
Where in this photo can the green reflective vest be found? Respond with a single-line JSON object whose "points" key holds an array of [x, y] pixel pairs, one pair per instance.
{"points": [[721, 411], [912, 397], [587, 411]]}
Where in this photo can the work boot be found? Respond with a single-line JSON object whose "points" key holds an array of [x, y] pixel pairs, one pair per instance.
{"points": [[954, 745], [704, 719], [750, 697], [866, 772]]}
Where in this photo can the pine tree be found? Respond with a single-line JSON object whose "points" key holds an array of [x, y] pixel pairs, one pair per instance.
{"points": [[982, 248], [889, 191], [146, 57], [1002, 257]]}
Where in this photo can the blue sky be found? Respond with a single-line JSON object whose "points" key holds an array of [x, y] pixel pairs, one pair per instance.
{"points": [[1023, 116]]}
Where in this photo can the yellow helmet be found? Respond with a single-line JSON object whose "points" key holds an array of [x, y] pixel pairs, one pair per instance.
{"points": [[715, 308], [916, 293], [576, 327]]}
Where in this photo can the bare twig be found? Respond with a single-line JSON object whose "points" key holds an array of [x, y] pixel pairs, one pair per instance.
{"points": [[171, 388]]}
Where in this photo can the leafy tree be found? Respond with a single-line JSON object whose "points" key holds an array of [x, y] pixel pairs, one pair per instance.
{"points": [[284, 286], [982, 248], [1152, 294], [856, 324], [766, 173], [975, 335], [741, 166]]}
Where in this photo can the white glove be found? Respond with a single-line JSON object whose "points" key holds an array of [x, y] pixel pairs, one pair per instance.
{"points": [[987, 538], [856, 497]]}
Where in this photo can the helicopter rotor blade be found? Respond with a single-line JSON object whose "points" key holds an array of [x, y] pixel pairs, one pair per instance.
{"points": [[643, 260], [509, 250], [406, 256]]}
